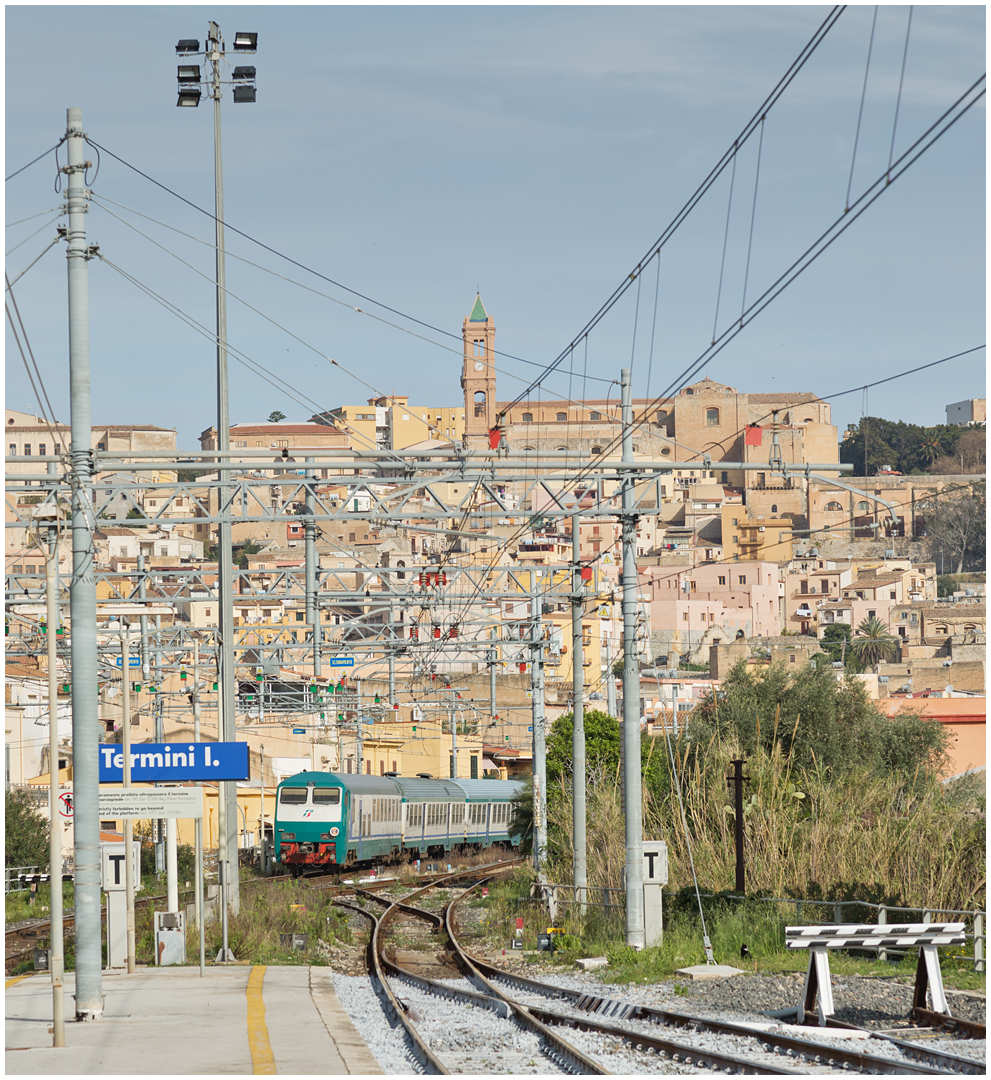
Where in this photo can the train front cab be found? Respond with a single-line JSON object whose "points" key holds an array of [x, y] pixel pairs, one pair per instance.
{"points": [[310, 815]]}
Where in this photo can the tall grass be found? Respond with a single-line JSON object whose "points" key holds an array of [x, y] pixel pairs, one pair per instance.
{"points": [[807, 835]]}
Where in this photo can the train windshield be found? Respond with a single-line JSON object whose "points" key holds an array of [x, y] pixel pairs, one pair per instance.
{"points": [[328, 796], [292, 795]]}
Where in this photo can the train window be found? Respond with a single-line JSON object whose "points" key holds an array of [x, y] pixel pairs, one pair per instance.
{"points": [[292, 796], [328, 796]]}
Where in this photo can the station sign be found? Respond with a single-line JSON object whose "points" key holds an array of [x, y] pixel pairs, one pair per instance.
{"points": [[145, 803], [112, 871], [655, 862], [341, 661], [132, 661], [173, 762], [299, 731]]}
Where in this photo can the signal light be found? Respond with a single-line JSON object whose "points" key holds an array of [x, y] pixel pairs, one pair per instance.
{"points": [[66, 688], [136, 687], [378, 700], [182, 674], [214, 686]]}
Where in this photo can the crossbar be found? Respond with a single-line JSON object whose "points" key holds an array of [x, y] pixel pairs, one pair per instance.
{"points": [[892, 935]]}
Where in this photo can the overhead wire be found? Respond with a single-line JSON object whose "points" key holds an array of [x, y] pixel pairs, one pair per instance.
{"points": [[296, 262], [35, 161]]}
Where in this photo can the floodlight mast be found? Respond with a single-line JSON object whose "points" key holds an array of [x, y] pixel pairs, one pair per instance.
{"points": [[227, 813]]}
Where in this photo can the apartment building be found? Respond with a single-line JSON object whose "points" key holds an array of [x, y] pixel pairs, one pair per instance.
{"points": [[747, 537], [392, 423]]}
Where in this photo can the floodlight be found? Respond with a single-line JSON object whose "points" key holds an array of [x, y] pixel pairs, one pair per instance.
{"points": [[245, 42], [187, 45], [243, 73], [188, 97], [244, 93], [188, 73]]}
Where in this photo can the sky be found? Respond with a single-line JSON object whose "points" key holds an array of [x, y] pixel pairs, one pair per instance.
{"points": [[415, 155]]}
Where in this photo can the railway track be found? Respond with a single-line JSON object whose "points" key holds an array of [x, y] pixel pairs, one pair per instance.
{"points": [[585, 1033]]}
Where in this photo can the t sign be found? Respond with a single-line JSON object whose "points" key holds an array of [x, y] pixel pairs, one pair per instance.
{"points": [[655, 862], [112, 871]]}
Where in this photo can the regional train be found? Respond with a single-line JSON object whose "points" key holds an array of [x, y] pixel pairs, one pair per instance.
{"points": [[323, 820]]}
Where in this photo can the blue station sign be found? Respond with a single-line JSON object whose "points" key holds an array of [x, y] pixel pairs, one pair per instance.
{"points": [[170, 762], [342, 661]]}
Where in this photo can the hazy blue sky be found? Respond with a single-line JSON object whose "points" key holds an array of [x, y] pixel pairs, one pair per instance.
{"points": [[414, 154]]}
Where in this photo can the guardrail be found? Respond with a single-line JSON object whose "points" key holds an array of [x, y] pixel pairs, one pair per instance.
{"points": [[810, 912]]}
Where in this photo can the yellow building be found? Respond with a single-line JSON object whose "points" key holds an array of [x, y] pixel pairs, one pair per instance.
{"points": [[757, 539], [392, 423], [421, 745]]}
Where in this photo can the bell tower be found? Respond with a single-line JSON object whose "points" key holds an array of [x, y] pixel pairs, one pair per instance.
{"points": [[478, 376]]}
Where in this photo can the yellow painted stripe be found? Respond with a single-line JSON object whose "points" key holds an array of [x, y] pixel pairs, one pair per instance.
{"points": [[10, 982], [262, 1058]]}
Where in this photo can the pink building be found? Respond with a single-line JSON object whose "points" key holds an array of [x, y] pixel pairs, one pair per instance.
{"points": [[692, 608]]}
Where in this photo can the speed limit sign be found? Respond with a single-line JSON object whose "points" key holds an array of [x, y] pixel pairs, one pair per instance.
{"points": [[65, 804]]}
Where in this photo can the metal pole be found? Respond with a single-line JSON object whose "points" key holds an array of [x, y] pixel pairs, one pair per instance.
{"points": [[171, 865], [493, 660], [580, 858], [392, 654], [142, 594], [160, 860], [610, 678], [57, 961], [310, 542], [736, 780], [539, 737], [361, 737], [454, 737], [635, 932], [261, 811], [198, 824], [225, 558], [125, 723], [82, 599]]}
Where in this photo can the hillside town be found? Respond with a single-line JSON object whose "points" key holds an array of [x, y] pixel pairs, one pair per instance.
{"points": [[732, 565]]}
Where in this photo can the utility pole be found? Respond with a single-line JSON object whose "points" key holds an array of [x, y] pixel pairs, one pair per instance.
{"points": [[55, 836], [454, 737], [198, 824], [736, 783], [310, 538], [635, 932], [189, 94], [361, 734], [82, 598], [493, 659], [610, 678], [580, 860], [539, 742], [125, 723]]}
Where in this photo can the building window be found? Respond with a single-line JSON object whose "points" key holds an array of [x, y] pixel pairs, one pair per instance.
{"points": [[862, 506], [774, 508], [684, 616], [27, 449], [528, 418], [871, 614], [693, 586], [402, 573], [712, 417], [722, 579], [892, 595], [743, 579], [736, 521], [736, 540], [479, 348], [42, 449], [474, 766], [595, 416], [833, 507], [596, 449], [381, 768], [561, 417]]}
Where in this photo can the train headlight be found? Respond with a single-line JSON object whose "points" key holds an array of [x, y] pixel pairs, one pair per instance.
{"points": [[288, 836]]}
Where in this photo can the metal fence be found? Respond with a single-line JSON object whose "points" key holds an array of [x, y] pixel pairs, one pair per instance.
{"points": [[11, 881], [807, 913]]}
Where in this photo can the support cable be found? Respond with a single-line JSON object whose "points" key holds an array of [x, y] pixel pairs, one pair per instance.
{"points": [[860, 114], [901, 83], [722, 264], [36, 160]]}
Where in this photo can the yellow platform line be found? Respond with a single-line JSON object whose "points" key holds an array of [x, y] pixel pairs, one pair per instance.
{"points": [[10, 982], [262, 1058]]}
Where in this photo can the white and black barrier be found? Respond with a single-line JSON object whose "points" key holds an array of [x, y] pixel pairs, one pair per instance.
{"points": [[926, 937]]}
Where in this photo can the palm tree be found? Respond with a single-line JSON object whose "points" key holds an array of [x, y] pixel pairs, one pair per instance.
{"points": [[873, 642], [933, 445]]}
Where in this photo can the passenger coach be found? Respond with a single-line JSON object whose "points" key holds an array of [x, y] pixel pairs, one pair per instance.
{"points": [[335, 819]]}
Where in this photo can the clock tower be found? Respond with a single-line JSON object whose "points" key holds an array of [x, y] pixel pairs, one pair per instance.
{"points": [[478, 377]]}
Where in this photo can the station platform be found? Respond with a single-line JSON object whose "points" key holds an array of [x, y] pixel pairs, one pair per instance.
{"points": [[169, 1021]]}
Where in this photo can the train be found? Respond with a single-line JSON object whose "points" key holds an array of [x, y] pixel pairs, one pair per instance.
{"points": [[327, 820]]}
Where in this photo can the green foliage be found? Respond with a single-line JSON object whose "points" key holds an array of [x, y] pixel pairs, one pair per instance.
{"points": [[275, 416], [955, 524], [874, 642], [904, 448], [187, 476], [26, 834], [821, 723], [602, 748]]}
